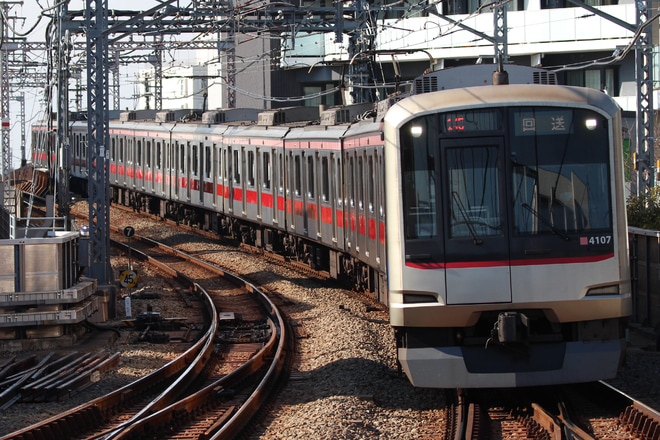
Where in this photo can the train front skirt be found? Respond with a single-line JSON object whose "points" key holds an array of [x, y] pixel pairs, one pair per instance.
{"points": [[493, 367]]}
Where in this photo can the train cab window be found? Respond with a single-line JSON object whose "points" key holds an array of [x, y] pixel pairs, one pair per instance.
{"points": [[560, 171], [267, 170], [474, 191], [208, 161], [311, 192], [419, 179], [297, 176], [138, 153], [325, 179], [237, 167], [250, 168]]}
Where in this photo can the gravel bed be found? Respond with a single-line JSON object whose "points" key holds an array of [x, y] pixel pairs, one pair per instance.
{"points": [[345, 383]]}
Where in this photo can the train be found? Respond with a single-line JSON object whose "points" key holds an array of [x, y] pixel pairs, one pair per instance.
{"points": [[485, 208]]}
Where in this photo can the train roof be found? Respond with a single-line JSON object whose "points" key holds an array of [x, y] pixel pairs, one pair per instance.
{"points": [[500, 95]]}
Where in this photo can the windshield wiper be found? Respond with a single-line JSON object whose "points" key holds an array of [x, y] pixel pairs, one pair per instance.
{"points": [[469, 223], [545, 222]]}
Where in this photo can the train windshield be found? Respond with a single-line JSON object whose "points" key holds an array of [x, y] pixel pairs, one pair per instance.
{"points": [[544, 168], [560, 166]]}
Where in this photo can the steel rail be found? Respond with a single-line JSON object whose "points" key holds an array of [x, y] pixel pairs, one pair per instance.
{"points": [[180, 370], [233, 421]]}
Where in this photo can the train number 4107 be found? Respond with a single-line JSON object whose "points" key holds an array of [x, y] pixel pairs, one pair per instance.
{"points": [[596, 240]]}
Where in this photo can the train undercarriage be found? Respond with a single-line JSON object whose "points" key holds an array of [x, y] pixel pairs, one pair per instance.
{"points": [[338, 265]]}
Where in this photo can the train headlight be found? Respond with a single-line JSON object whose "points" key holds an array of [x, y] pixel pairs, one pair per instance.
{"points": [[416, 130], [591, 124], [612, 289]]}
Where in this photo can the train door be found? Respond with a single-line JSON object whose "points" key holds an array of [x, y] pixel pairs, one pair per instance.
{"points": [[121, 163], [181, 181], [158, 172], [137, 160], [214, 170], [193, 173], [337, 199], [371, 207], [309, 192], [252, 199], [350, 207], [148, 166], [475, 236], [130, 163], [267, 202], [361, 202], [278, 191]]}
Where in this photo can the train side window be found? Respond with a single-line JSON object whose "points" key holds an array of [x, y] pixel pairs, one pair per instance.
{"points": [[281, 174], [267, 170], [338, 180], [360, 182], [138, 153], [84, 150], [371, 176], [159, 155], [297, 176], [148, 152], [182, 157], [250, 168], [325, 179], [208, 160], [237, 167], [129, 151], [349, 182], [195, 160], [113, 148], [311, 193], [121, 149]]}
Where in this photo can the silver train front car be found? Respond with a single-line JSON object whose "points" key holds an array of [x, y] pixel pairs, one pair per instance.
{"points": [[507, 207]]}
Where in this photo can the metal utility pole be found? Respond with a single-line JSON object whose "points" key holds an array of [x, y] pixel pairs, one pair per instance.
{"points": [[644, 76], [157, 61], [63, 166], [4, 93], [96, 12]]}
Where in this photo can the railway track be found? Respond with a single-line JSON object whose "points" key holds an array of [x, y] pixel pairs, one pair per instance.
{"points": [[584, 411], [214, 388]]}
